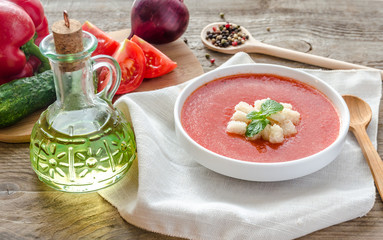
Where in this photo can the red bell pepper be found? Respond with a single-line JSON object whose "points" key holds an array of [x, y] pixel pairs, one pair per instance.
{"points": [[42, 31], [35, 10], [22, 24]]}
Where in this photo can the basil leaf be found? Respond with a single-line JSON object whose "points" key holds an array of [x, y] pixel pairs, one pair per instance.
{"points": [[270, 107], [256, 126]]}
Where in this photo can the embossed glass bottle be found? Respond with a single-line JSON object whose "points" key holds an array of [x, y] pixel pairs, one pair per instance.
{"points": [[81, 143]]}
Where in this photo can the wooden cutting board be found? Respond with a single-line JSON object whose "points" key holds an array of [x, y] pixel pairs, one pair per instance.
{"points": [[188, 68]]}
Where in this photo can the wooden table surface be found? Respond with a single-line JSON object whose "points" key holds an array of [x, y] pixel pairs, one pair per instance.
{"points": [[349, 30]]}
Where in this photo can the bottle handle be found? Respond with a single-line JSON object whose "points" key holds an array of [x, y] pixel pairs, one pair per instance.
{"points": [[114, 76]]}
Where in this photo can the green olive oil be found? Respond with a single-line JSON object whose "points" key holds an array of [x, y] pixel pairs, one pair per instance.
{"points": [[81, 163]]}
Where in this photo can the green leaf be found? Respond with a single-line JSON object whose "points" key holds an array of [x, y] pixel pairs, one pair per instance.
{"points": [[256, 126], [254, 115], [270, 107], [259, 119]]}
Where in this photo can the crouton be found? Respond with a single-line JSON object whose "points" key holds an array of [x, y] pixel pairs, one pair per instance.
{"points": [[240, 116], [255, 137], [287, 105], [277, 117], [292, 115], [276, 134], [236, 127], [288, 128], [258, 104], [244, 107]]}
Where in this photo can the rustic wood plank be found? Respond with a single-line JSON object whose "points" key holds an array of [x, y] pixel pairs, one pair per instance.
{"points": [[57, 215], [348, 30]]}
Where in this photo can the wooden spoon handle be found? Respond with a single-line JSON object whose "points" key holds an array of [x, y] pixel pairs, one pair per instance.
{"points": [[305, 57], [371, 155]]}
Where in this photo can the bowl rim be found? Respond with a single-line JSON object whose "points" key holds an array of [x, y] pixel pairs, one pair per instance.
{"points": [[199, 81]]}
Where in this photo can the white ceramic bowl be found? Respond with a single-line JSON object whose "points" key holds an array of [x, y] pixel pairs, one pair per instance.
{"points": [[254, 171]]}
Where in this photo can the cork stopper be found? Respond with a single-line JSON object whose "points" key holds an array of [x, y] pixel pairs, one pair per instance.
{"points": [[67, 35]]}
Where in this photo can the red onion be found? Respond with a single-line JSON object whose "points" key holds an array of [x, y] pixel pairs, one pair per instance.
{"points": [[159, 21]]}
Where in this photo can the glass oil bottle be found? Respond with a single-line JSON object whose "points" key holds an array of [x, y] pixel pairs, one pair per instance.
{"points": [[81, 143]]}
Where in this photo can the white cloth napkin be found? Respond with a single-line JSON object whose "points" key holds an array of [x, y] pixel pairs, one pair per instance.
{"points": [[167, 192]]}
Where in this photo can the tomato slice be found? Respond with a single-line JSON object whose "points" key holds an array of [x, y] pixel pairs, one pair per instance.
{"points": [[157, 63], [132, 62], [106, 45]]}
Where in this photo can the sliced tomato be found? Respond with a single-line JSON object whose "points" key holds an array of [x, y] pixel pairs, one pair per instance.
{"points": [[132, 62], [106, 45], [157, 63]]}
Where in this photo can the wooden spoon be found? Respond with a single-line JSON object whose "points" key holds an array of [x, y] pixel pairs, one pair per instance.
{"points": [[360, 117], [254, 46]]}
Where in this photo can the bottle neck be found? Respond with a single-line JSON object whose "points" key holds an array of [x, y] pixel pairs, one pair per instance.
{"points": [[74, 89]]}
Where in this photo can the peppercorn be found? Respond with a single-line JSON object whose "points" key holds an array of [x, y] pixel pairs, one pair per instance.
{"points": [[212, 60], [222, 15], [227, 35], [207, 56]]}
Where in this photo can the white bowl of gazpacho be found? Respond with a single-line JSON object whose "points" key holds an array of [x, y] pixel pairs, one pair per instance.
{"points": [[261, 122]]}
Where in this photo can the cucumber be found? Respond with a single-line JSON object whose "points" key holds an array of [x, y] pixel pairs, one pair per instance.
{"points": [[23, 96]]}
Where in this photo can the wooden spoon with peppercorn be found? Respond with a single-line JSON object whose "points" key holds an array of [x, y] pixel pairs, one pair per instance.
{"points": [[230, 38]]}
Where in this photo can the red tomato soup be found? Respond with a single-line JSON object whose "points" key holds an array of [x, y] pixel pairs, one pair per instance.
{"points": [[207, 111]]}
